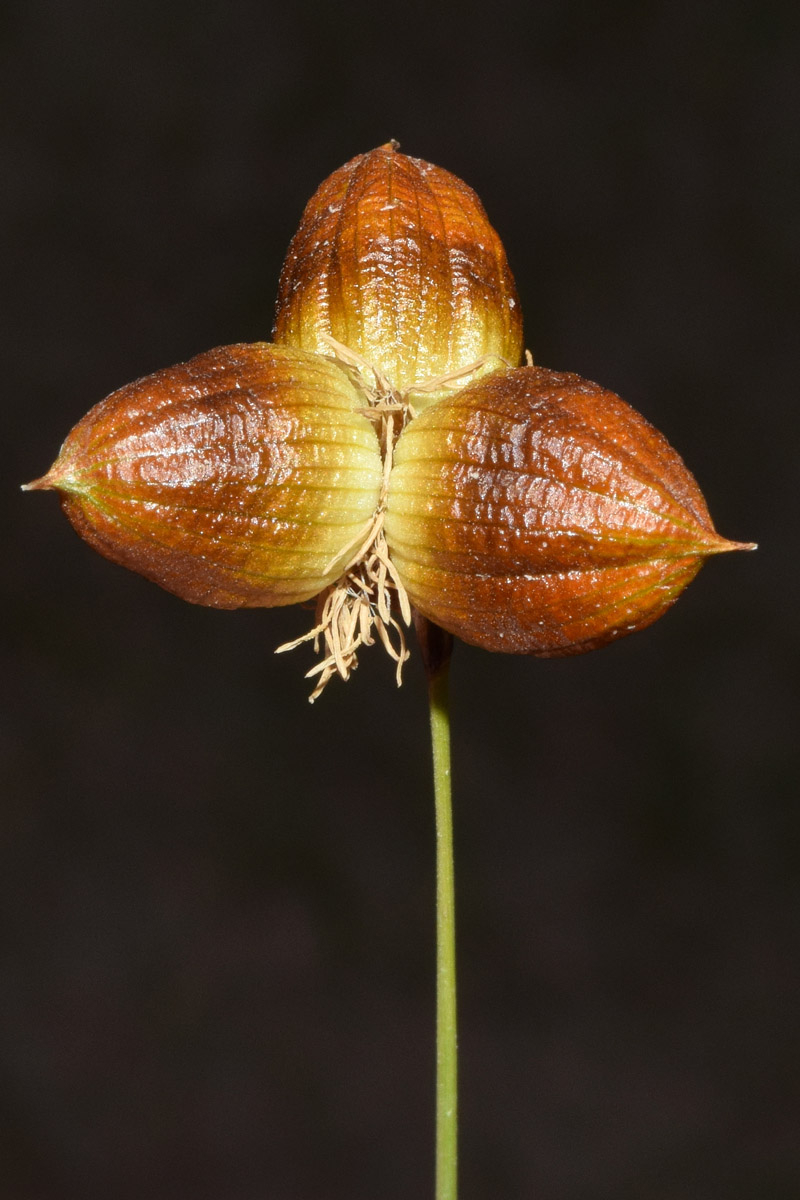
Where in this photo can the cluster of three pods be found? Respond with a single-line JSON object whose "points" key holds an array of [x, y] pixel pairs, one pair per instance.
{"points": [[388, 450]]}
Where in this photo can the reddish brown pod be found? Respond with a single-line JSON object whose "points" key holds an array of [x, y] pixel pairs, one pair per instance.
{"points": [[395, 259], [240, 478], [538, 513]]}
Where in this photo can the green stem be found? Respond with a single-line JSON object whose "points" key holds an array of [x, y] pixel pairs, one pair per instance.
{"points": [[446, 1070]]}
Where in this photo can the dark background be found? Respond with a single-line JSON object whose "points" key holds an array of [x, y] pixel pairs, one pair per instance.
{"points": [[216, 953]]}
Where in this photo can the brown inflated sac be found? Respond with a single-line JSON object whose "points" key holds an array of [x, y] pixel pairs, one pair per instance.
{"points": [[396, 259], [537, 513], [240, 478]]}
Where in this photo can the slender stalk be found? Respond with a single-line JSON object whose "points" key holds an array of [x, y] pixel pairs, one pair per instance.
{"points": [[436, 647], [446, 1065]]}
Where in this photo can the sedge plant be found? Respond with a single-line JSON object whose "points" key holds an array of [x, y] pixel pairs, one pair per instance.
{"points": [[395, 455]]}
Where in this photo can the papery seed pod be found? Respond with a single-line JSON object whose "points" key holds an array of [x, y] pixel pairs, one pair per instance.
{"points": [[537, 513], [238, 479], [395, 258]]}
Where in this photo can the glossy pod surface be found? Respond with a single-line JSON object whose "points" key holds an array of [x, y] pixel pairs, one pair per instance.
{"points": [[237, 479], [537, 513], [396, 259]]}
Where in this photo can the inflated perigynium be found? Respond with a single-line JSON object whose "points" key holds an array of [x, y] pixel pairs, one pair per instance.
{"points": [[523, 510], [537, 513], [237, 479], [395, 259]]}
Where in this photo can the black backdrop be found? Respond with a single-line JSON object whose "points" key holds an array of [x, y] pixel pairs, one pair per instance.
{"points": [[216, 954]]}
